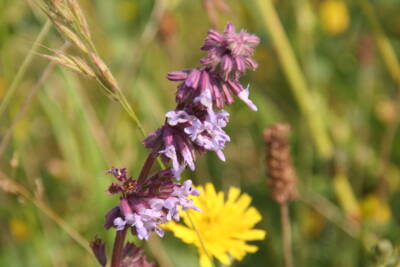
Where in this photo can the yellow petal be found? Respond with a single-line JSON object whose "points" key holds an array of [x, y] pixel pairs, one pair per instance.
{"points": [[223, 258], [187, 235], [252, 216], [233, 194], [241, 249], [204, 260], [243, 202], [254, 234]]}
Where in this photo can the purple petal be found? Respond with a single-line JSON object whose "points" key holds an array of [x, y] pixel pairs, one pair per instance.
{"points": [[220, 155], [177, 76], [229, 28], [193, 79], [175, 117], [204, 98], [170, 153], [119, 223], [110, 217], [244, 96]]}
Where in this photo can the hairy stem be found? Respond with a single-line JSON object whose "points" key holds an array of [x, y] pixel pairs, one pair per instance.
{"points": [[118, 248], [144, 173]]}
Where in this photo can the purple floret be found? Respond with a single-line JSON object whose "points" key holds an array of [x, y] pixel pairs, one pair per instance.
{"points": [[157, 201]]}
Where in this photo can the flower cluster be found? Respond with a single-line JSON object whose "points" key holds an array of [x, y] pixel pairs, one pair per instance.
{"points": [[144, 206], [194, 127]]}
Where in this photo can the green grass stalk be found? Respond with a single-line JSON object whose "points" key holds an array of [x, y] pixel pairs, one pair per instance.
{"points": [[203, 246], [286, 235], [385, 48], [28, 99], [10, 186], [24, 66], [296, 78], [391, 62]]}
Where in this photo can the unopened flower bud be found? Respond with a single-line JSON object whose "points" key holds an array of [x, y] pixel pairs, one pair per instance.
{"points": [[99, 250]]}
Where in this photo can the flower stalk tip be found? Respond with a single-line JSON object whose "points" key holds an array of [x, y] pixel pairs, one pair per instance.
{"points": [[194, 126]]}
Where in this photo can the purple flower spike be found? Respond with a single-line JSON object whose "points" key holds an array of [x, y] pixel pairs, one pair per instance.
{"points": [[193, 127], [172, 143], [150, 204], [229, 55], [231, 50]]}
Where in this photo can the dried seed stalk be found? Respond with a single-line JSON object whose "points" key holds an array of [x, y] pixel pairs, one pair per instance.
{"points": [[280, 170], [282, 180]]}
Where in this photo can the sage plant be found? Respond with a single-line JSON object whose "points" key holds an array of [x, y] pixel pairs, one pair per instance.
{"points": [[193, 127]]}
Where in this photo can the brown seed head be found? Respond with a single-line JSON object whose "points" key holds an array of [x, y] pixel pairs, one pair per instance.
{"points": [[282, 176], [79, 16], [104, 74]]}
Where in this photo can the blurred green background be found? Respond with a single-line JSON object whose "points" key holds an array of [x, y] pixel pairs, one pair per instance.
{"points": [[70, 132]]}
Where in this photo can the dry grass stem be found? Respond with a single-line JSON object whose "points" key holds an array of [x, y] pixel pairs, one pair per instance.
{"points": [[24, 67], [10, 186], [46, 73], [282, 179]]}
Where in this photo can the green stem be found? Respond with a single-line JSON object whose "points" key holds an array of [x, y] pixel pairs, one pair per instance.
{"points": [[16, 188], [296, 78], [21, 71], [118, 248], [391, 62], [286, 235], [203, 246], [127, 107], [385, 48]]}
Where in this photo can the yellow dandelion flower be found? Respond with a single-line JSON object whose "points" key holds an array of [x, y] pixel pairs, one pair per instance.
{"points": [[224, 225], [334, 16]]}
